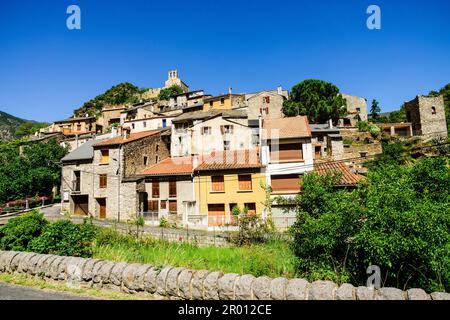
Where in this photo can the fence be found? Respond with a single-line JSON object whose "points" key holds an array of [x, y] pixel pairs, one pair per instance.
{"points": [[24, 204]]}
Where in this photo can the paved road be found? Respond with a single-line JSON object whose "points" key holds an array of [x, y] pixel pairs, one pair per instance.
{"points": [[14, 292]]}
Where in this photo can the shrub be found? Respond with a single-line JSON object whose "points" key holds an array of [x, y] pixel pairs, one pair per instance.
{"points": [[252, 229], [18, 232], [397, 219], [163, 223], [65, 238]]}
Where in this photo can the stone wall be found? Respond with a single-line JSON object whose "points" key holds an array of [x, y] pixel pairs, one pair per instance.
{"points": [[182, 283]]}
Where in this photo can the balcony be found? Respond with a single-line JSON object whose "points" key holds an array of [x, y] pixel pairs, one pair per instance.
{"points": [[76, 186]]}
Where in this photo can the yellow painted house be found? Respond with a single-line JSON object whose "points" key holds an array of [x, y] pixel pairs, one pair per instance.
{"points": [[225, 101], [227, 179]]}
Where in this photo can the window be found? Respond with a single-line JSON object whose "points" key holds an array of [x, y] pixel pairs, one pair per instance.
{"points": [[286, 152], [260, 110], [105, 157], [226, 145], [173, 206], [164, 123], [145, 160], [172, 188], [222, 101], [433, 110], [157, 148], [320, 138], [163, 204], [132, 126], [144, 124], [206, 131], [210, 103], [266, 99], [153, 205], [358, 109], [267, 110], [103, 180], [156, 159], [155, 189], [285, 183], [251, 208], [245, 182], [217, 184], [78, 127], [226, 129]]}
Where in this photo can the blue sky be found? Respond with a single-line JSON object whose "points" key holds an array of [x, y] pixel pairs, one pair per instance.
{"points": [[46, 70]]}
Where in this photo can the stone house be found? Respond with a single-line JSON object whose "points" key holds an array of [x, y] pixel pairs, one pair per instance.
{"points": [[110, 115], [73, 126], [327, 142], [427, 115], [356, 111], [267, 104], [98, 176], [186, 101], [198, 132], [173, 80]]}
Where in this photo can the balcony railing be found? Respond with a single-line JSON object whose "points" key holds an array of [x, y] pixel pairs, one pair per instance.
{"points": [[150, 216], [76, 185]]}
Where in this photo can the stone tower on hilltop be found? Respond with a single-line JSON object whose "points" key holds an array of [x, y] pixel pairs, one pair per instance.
{"points": [[173, 79], [427, 115]]}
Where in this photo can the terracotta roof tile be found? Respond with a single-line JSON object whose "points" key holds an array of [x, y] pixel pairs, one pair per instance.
{"points": [[291, 127], [170, 166], [230, 159], [121, 139], [348, 178]]}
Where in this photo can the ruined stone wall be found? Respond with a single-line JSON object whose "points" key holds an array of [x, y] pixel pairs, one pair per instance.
{"points": [[187, 284]]}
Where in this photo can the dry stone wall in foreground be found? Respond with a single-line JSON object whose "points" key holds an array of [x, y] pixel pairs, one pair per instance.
{"points": [[182, 283]]}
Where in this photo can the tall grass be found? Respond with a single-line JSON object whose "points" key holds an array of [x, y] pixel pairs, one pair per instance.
{"points": [[272, 259]]}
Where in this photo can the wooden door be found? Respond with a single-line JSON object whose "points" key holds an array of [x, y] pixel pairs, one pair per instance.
{"points": [[216, 214], [81, 205], [102, 207]]}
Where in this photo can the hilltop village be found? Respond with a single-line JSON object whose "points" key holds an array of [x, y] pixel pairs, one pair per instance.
{"points": [[194, 159]]}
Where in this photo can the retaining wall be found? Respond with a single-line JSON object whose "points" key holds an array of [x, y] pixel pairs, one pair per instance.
{"points": [[182, 283]]}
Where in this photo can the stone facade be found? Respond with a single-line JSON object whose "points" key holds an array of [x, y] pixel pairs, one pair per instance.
{"points": [[155, 148], [186, 284], [427, 115], [174, 80], [267, 104], [356, 110]]}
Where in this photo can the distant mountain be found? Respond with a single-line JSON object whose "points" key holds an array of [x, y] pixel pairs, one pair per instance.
{"points": [[12, 127], [8, 125]]}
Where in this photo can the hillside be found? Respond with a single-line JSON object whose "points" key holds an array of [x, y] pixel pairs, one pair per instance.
{"points": [[13, 127], [8, 125]]}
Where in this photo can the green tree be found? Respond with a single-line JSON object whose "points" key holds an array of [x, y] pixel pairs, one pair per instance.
{"points": [[167, 93], [28, 128], [375, 110], [398, 218], [33, 172], [318, 100]]}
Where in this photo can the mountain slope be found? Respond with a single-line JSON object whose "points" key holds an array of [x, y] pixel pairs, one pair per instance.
{"points": [[8, 125]]}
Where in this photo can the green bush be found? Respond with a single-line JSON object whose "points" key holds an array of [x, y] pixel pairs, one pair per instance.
{"points": [[397, 219], [20, 231], [65, 238]]}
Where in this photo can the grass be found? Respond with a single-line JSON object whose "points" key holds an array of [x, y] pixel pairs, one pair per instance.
{"points": [[273, 259], [38, 283]]}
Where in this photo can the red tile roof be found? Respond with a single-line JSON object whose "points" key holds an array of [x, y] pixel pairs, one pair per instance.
{"points": [[348, 178], [121, 139], [230, 159], [291, 127], [170, 166]]}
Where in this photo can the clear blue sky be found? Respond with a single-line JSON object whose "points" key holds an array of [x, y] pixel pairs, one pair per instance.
{"points": [[46, 70]]}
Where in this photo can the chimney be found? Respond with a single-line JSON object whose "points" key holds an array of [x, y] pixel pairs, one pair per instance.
{"points": [[330, 124], [280, 90], [230, 90], [125, 134]]}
